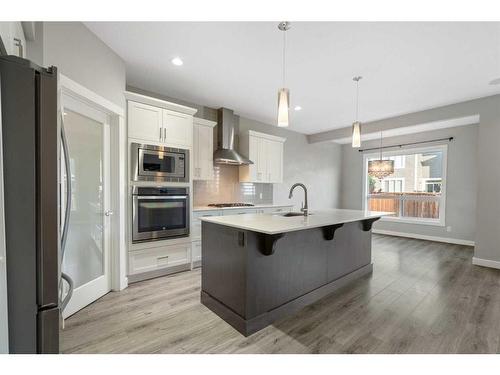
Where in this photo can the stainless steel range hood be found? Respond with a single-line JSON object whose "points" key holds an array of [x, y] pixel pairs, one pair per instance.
{"points": [[226, 154]]}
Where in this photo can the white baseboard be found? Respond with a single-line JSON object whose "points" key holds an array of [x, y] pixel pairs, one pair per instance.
{"points": [[486, 262], [424, 237]]}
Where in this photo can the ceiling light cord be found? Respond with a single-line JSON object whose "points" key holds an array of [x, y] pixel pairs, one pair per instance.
{"points": [[357, 99], [284, 54], [357, 79], [380, 145]]}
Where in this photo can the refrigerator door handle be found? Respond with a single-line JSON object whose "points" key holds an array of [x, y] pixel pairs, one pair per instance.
{"points": [[67, 214]]}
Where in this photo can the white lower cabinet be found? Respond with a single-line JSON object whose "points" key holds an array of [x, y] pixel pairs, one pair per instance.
{"points": [[157, 258], [196, 222], [196, 234]]}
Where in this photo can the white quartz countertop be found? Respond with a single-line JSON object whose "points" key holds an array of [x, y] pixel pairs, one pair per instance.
{"points": [[257, 206], [276, 223]]}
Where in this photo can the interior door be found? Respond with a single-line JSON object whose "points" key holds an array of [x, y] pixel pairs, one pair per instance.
{"points": [[86, 255]]}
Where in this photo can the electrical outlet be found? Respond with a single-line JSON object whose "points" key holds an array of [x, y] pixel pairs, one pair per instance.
{"points": [[448, 228], [260, 195]]}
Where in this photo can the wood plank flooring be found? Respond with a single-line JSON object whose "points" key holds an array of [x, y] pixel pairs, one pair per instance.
{"points": [[423, 297]]}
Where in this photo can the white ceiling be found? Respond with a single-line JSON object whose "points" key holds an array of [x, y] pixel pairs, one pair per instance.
{"points": [[406, 67]]}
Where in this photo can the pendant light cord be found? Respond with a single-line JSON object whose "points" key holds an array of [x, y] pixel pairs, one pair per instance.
{"points": [[357, 99], [284, 53], [380, 145]]}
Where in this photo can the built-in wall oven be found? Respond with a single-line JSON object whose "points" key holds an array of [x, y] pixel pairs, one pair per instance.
{"points": [[159, 213], [159, 163]]}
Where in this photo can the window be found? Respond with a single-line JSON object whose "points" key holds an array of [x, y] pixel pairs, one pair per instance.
{"points": [[431, 185], [393, 185], [399, 161], [416, 191]]}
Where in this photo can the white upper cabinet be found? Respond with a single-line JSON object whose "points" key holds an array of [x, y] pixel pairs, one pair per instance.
{"points": [[274, 161], [203, 149], [145, 122], [178, 128], [158, 122], [266, 152]]}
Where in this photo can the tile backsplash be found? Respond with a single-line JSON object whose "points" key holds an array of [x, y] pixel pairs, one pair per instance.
{"points": [[225, 187]]}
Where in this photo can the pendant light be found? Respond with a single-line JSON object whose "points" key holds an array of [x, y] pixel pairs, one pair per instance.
{"points": [[356, 125], [283, 93], [380, 168]]}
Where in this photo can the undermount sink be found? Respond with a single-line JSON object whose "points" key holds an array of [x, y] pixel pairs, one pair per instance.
{"points": [[290, 214]]}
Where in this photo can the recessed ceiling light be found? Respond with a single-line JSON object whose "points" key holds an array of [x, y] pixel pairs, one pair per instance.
{"points": [[298, 108], [495, 82], [177, 61]]}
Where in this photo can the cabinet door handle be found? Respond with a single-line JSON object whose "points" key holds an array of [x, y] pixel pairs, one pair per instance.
{"points": [[164, 134], [161, 134], [163, 257]]}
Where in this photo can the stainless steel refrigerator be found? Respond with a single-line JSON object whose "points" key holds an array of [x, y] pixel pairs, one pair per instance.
{"points": [[31, 140]]}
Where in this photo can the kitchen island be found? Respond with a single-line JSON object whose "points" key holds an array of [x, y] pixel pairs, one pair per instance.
{"points": [[257, 268]]}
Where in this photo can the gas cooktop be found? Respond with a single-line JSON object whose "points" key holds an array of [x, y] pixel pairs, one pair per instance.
{"points": [[222, 205]]}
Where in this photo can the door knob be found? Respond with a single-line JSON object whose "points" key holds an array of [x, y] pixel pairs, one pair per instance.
{"points": [[108, 213]]}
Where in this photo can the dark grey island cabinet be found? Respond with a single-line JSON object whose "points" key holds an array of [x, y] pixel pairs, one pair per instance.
{"points": [[259, 268]]}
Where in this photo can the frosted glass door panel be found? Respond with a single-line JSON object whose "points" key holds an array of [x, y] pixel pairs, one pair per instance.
{"points": [[84, 257]]}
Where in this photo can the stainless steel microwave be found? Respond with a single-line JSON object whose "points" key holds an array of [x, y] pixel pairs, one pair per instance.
{"points": [[159, 163]]}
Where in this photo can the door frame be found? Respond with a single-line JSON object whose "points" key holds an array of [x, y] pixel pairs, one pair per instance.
{"points": [[118, 182]]}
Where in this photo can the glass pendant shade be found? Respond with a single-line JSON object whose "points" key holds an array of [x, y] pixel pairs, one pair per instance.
{"points": [[283, 107], [356, 134], [380, 168]]}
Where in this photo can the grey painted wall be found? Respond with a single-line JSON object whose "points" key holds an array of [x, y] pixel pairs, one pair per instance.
{"points": [[81, 56], [487, 165], [318, 166], [461, 182]]}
